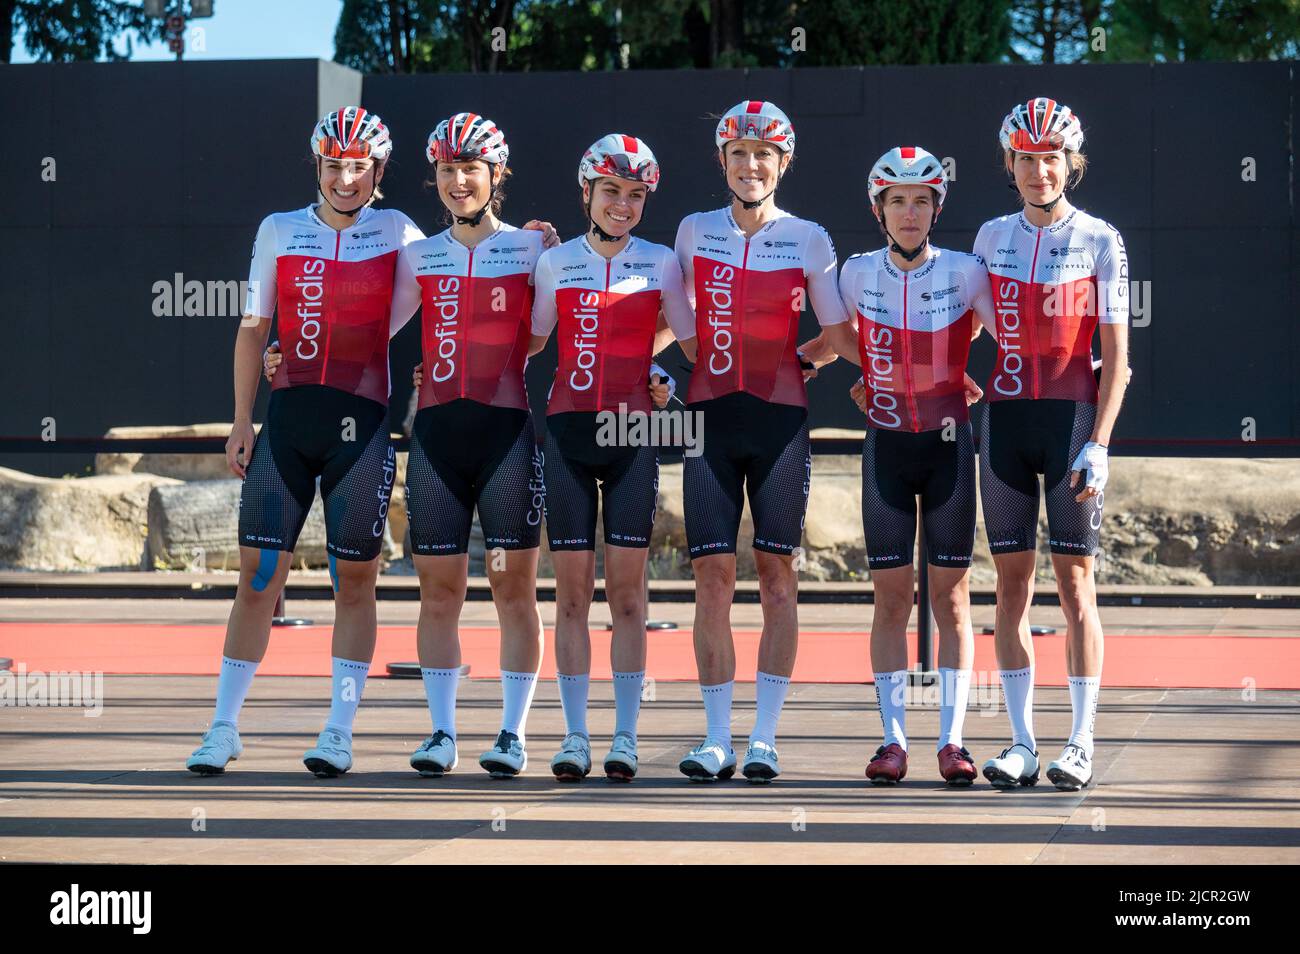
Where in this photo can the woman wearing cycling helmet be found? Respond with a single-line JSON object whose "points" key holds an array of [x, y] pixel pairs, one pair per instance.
{"points": [[748, 268], [1055, 272], [473, 443], [617, 300], [917, 309], [326, 272]]}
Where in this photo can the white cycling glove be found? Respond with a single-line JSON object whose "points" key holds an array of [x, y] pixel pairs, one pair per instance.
{"points": [[1093, 462], [664, 376]]}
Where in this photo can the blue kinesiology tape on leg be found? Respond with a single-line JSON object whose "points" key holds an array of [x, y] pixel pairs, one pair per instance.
{"points": [[334, 573], [266, 565]]}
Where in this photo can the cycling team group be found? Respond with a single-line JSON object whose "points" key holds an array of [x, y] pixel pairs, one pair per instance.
{"points": [[342, 277]]}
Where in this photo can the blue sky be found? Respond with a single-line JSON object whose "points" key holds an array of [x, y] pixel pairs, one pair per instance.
{"points": [[249, 29]]}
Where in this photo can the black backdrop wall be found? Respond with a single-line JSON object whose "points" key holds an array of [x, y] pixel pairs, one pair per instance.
{"points": [[164, 168]]}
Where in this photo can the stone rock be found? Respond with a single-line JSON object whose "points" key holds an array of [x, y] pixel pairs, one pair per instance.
{"points": [[63, 524], [179, 466]]}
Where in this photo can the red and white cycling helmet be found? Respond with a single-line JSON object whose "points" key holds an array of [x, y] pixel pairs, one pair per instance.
{"points": [[465, 137], [756, 119], [351, 133], [907, 165], [620, 157], [1041, 125]]}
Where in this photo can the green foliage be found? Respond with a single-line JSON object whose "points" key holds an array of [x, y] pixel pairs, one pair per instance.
{"points": [[61, 31], [849, 33], [1167, 31]]}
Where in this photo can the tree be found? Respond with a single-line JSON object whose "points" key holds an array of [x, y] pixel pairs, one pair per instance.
{"points": [[66, 30], [1164, 31], [850, 33], [1053, 31]]}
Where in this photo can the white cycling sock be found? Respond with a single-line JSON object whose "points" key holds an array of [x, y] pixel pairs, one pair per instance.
{"points": [[891, 699], [232, 686], [1018, 687], [770, 694], [440, 687], [516, 697], [573, 698], [954, 692], [717, 711], [348, 682], [1083, 704], [627, 701]]}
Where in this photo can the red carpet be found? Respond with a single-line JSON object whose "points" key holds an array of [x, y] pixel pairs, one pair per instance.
{"points": [[1192, 661]]}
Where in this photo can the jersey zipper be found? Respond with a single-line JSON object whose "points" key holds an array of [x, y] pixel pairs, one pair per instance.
{"points": [[1031, 320], [338, 237], [740, 322], [466, 302], [601, 339], [907, 364]]}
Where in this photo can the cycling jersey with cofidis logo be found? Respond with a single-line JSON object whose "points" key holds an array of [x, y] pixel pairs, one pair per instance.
{"points": [[476, 304], [748, 294], [607, 311], [1050, 287], [914, 334], [332, 294]]}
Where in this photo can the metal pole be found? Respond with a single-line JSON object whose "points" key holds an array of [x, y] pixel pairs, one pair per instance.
{"points": [[280, 619], [924, 617], [924, 672]]}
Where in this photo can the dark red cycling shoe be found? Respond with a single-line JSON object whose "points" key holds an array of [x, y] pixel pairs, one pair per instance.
{"points": [[956, 765], [888, 766]]}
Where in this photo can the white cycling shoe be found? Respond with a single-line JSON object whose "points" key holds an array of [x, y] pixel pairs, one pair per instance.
{"points": [[573, 762], [220, 745], [760, 763], [436, 755], [620, 763], [1073, 770], [708, 762], [1016, 765], [332, 755], [506, 758]]}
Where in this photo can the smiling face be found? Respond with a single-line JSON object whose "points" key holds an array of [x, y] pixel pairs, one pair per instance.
{"points": [[616, 204], [348, 184], [753, 167], [1040, 177], [464, 187], [909, 212]]}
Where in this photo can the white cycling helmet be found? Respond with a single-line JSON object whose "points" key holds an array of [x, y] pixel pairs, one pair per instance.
{"points": [[756, 119], [619, 157], [907, 165], [465, 137], [351, 133], [1041, 125]]}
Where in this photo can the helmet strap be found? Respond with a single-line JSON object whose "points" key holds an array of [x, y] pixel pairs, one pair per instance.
{"points": [[745, 204], [347, 215], [597, 231], [893, 243], [477, 217]]}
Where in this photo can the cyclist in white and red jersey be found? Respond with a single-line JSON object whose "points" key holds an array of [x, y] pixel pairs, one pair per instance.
{"points": [[472, 444], [615, 301], [1057, 275], [917, 309], [749, 268], [326, 274]]}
